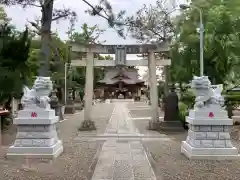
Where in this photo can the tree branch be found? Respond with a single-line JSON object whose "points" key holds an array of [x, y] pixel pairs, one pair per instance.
{"points": [[63, 13], [59, 17], [129, 22], [35, 25], [31, 4]]}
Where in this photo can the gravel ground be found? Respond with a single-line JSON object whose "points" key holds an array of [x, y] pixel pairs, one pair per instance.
{"points": [[170, 164], [77, 161]]}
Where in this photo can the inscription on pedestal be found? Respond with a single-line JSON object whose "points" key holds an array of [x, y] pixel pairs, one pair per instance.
{"points": [[35, 142], [36, 128], [36, 135]]}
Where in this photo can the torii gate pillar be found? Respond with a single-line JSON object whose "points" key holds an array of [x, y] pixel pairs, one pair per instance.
{"points": [[153, 123], [89, 86]]}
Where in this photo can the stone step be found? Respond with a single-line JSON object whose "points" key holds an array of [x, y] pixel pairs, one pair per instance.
{"points": [[164, 139], [123, 136]]}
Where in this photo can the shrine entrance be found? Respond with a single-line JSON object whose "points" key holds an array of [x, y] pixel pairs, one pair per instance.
{"points": [[121, 51], [122, 82]]}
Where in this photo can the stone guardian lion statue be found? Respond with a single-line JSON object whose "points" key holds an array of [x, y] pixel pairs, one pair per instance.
{"points": [[206, 94], [38, 95]]}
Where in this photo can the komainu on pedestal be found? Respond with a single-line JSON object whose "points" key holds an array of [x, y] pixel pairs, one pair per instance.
{"points": [[209, 125], [36, 124]]}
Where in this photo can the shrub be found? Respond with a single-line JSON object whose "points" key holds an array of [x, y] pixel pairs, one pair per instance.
{"points": [[183, 111], [188, 98]]}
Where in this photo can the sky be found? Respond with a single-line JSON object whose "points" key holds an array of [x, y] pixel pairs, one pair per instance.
{"points": [[20, 18]]}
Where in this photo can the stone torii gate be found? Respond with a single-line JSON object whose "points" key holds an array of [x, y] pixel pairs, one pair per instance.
{"points": [[120, 52]]}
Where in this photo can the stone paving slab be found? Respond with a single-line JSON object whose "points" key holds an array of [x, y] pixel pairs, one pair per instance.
{"points": [[123, 156]]}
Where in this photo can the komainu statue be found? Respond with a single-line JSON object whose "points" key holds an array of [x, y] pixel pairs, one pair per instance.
{"points": [[39, 94], [206, 94]]}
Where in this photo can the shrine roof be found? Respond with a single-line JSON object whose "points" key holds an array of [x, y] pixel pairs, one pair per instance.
{"points": [[128, 76]]}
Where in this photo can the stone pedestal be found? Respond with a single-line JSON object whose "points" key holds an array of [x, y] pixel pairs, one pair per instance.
{"points": [[36, 134], [209, 135]]}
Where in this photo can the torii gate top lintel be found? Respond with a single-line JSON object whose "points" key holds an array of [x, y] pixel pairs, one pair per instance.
{"points": [[111, 49]]}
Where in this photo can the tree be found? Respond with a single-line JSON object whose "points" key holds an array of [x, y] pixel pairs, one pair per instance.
{"points": [[14, 51], [87, 35], [221, 43], [43, 26], [152, 24], [13, 65], [57, 61]]}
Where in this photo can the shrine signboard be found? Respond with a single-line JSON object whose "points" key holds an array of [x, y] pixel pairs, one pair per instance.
{"points": [[120, 55]]}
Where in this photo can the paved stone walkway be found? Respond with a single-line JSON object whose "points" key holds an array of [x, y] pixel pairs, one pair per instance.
{"points": [[122, 158]]}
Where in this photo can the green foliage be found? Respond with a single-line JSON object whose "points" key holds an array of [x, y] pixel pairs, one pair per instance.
{"points": [[87, 35], [13, 64], [221, 42], [183, 111], [188, 98], [151, 23]]}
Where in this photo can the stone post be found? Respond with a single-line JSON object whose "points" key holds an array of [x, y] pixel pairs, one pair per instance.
{"points": [[209, 126], [69, 108], [154, 122], [36, 124], [56, 105], [89, 86]]}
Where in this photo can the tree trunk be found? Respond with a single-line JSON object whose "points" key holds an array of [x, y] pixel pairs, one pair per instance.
{"points": [[45, 38]]}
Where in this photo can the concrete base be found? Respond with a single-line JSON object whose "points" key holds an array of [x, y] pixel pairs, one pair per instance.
{"points": [[153, 125], [69, 109], [209, 153], [171, 126], [36, 152], [78, 106]]}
